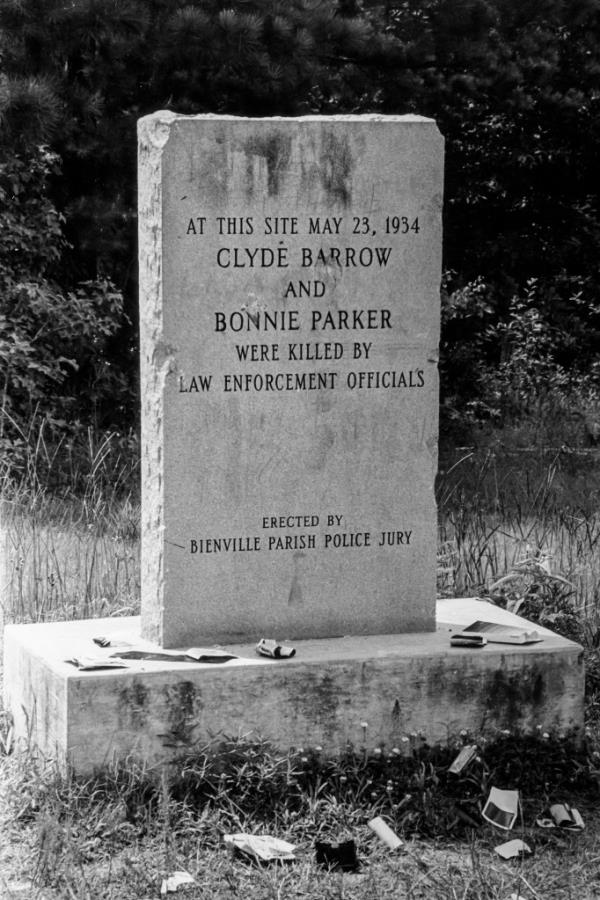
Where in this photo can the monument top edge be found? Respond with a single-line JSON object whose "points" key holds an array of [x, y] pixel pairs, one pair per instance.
{"points": [[167, 117]]}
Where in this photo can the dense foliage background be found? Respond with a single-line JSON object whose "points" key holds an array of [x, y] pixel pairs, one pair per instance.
{"points": [[515, 88]]}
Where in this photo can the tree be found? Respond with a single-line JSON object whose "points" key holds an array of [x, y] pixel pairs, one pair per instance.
{"points": [[512, 86], [80, 75], [514, 90], [52, 341]]}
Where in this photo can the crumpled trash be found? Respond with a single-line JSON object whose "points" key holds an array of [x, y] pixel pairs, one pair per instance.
{"points": [[262, 847], [561, 815], [466, 755], [514, 848], [103, 641], [87, 663], [194, 654], [337, 856], [274, 649], [463, 639], [501, 808], [174, 881], [385, 833]]}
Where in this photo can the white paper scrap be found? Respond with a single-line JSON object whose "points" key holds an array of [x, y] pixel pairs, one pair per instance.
{"points": [[567, 817], [174, 881], [262, 846], [465, 756], [88, 663], [513, 848], [562, 816], [501, 808], [384, 832]]}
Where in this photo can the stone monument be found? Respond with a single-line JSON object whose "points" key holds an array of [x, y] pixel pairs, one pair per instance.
{"points": [[289, 313]]}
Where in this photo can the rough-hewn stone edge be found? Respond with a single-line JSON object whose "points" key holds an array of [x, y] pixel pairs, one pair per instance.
{"points": [[155, 363], [4, 579], [36, 698], [409, 118], [154, 131], [398, 683]]}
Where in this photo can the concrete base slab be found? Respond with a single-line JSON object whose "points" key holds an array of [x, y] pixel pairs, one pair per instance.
{"points": [[397, 683]]}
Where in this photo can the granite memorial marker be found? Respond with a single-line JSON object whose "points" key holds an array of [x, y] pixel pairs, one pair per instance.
{"points": [[289, 314], [289, 276]]}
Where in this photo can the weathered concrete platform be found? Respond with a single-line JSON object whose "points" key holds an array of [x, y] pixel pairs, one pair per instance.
{"points": [[397, 683]]}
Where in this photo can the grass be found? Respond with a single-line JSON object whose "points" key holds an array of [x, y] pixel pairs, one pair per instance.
{"points": [[522, 528], [532, 516], [118, 835], [75, 554], [72, 553], [66, 561]]}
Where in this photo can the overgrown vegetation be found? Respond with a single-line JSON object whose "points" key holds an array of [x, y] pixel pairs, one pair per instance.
{"points": [[57, 380], [514, 90], [521, 528], [512, 86], [518, 373], [74, 552], [119, 833]]}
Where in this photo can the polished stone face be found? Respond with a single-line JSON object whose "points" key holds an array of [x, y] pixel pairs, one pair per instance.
{"points": [[289, 282]]}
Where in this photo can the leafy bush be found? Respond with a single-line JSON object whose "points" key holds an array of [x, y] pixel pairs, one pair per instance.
{"points": [[531, 368], [250, 785], [53, 342], [513, 88]]}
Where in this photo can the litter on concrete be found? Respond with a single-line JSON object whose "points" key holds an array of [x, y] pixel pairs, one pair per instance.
{"points": [[501, 634], [385, 833], [512, 849], [262, 847], [173, 882], [87, 663], [561, 815], [274, 650], [194, 654], [210, 654], [466, 755], [339, 856], [461, 639], [501, 808], [102, 641]]}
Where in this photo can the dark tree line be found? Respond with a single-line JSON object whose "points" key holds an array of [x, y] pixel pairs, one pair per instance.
{"points": [[515, 89]]}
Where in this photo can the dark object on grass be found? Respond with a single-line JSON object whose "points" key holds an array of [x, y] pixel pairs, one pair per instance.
{"points": [[337, 857]]}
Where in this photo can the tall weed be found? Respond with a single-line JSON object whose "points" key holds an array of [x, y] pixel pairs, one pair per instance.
{"points": [[523, 529], [72, 552]]}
